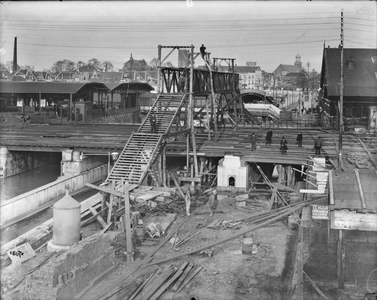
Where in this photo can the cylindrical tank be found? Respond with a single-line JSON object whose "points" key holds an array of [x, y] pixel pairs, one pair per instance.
{"points": [[67, 221]]}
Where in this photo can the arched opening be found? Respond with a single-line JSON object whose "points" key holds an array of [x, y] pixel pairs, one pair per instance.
{"points": [[231, 181]]}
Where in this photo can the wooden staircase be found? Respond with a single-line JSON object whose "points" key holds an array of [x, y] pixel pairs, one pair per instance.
{"points": [[143, 147]]}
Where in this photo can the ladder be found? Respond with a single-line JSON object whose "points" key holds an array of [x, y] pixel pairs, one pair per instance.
{"points": [[143, 147]]}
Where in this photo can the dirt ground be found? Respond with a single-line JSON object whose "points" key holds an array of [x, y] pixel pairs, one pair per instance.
{"points": [[227, 273]]}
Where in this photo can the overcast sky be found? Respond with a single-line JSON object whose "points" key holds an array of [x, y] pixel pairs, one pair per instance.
{"points": [[267, 32]]}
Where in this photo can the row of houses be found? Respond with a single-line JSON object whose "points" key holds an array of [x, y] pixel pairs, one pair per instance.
{"points": [[89, 73]]}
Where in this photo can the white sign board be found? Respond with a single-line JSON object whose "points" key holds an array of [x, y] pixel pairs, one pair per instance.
{"points": [[352, 220], [21, 253], [320, 212]]}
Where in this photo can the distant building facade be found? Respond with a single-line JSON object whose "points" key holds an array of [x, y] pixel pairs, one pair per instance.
{"points": [[250, 76]]}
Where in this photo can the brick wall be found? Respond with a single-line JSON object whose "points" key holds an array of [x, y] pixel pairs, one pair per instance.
{"points": [[67, 273]]}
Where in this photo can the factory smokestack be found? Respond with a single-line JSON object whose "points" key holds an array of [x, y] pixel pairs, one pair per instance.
{"points": [[15, 56]]}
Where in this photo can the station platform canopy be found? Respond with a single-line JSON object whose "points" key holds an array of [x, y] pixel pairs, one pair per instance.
{"points": [[32, 87], [253, 96]]}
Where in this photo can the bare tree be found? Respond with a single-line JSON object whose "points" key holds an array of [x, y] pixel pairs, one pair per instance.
{"points": [[94, 62], [107, 66]]}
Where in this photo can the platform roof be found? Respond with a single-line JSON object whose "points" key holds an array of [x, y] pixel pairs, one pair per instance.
{"points": [[129, 87], [347, 193], [32, 87], [45, 87]]}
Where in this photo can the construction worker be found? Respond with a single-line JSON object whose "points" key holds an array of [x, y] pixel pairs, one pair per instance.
{"points": [[269, 137], [253, 142], [153, 123], [182, 82], [299, 139], [203, 51], [283, 145], [318, 145], [212, 202]]}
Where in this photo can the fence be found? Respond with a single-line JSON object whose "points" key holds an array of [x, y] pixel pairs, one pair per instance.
{"points": [[126, 116], [27, 202]]}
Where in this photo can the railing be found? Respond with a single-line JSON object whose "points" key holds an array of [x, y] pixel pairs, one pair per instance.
{"points": [[27, 202]]}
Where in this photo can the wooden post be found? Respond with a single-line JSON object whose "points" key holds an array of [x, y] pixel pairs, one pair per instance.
{"points": [[111, 203], [188, 154], [300, 290], [127, 225], [340, 260], [310, 224], [164, 166]]}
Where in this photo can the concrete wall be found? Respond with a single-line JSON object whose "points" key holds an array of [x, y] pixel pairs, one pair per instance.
{"points": [[73, 163], [66, 274], [27, 202], [15, 162]]}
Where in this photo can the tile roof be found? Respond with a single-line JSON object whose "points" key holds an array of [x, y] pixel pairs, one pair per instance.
{"points": [[360, 72]]}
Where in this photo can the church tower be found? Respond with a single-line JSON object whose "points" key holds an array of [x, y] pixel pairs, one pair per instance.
{"points": [[298, 62]]}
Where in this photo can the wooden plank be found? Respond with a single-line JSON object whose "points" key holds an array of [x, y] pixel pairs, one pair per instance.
{"points": [[177, 185], [331, 188], [182, 277], [300, 281], [374, 162], [340, 261], [315, 286], [156, 284], [98, 217], [112, 191], [136, 292], [127, 225], [189, 278], [166, 285], [362, 199]]}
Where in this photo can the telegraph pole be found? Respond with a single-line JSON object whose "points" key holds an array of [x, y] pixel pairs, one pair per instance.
{"points": [[341, 94]]}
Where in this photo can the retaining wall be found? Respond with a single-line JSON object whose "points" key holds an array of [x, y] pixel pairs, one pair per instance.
{"points": [[27, 202], [66, 274]]}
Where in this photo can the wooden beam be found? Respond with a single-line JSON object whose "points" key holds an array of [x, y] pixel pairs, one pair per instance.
{"points": [[368, 152], [331, 188], [361, 191], [340, 261], [300, 280], [112, 191], [177, 185], [127, 225]]}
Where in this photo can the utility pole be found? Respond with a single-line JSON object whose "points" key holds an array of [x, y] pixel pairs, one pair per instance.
{"points": [[341, 95]]}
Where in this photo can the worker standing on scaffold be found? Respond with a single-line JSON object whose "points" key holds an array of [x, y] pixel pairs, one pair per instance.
{"points": [[203, 51]]}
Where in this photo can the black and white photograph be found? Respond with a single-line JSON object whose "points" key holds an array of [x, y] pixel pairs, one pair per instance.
{"points": [[188, 150]]}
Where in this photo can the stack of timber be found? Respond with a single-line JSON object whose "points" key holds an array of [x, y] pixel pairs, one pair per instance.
{"points": [[171, 278]]}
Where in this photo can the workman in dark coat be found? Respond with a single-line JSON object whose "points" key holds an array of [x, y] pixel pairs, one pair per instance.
{"points": [[203, 51], [299, 139], [182, 82], [318, 145], [153, 123], [283, 145], [253, 142], [269, 137]]}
